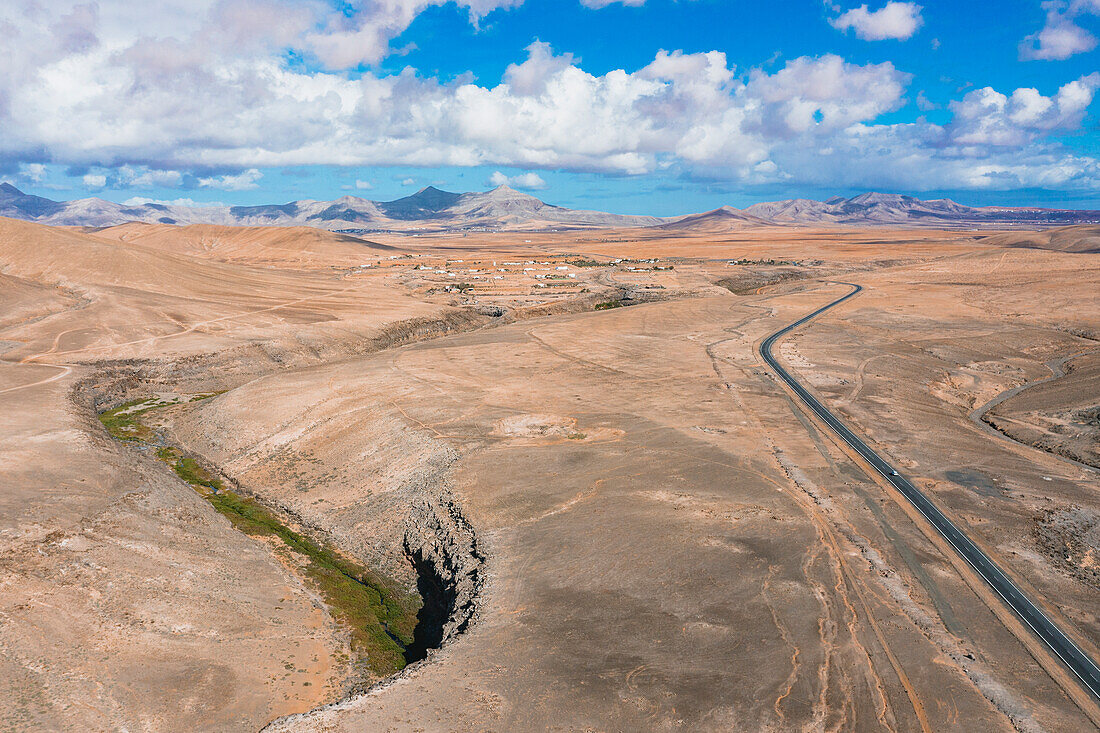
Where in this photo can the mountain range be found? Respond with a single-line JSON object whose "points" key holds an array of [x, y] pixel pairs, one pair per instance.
{"points": [[427, 209], [893, 209], [503, 208]]}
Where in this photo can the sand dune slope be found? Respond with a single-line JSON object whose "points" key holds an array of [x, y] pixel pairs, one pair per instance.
{"points": [[1079, 239], [288, 246]]}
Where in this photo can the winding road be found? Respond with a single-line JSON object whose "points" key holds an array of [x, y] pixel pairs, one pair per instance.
{"points": [[1083, 667]]}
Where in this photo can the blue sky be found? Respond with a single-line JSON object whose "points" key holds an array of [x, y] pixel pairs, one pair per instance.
{"points": [[647, 106]]}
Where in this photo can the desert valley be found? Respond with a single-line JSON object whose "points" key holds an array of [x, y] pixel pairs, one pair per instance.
{"points": [[580, 366], [252, 473]]}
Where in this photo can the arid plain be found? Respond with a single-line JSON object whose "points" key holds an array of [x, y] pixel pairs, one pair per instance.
{"points": [[567, 446]]}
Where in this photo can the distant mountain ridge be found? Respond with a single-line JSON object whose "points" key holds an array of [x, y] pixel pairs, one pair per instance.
{"points": [[503, 208], [429, 208], [890, 208], [880, 209], [726, 218]]}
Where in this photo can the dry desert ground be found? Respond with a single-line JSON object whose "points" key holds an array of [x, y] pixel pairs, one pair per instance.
{"points": [[559, 458]]}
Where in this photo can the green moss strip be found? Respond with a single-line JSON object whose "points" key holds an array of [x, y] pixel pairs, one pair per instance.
{"points": [[122, 422], [380, 615]]}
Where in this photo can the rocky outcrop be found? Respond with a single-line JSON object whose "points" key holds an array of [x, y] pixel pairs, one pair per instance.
{"points": [[442, 546]]}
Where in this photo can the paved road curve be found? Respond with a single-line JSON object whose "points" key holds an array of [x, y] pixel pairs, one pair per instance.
{"points": [[1076, 660]]}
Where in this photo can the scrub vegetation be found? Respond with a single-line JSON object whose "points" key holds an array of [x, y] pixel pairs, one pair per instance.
{"points": [[379, 614]]}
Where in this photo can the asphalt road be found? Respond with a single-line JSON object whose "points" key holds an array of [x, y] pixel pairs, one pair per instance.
{"points": [[1077, 661]]}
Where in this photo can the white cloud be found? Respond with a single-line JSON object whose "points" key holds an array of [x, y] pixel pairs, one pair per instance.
{"points": [[205, 86], [895, 20], [530, 77], [95, 180], [995, 141], [408, 182], [988, 118], [141, 201], [527, 181], [363, 35], [131, 177], [33, 172], [1061, 37], [906, 157], [826, 93], [363, 185], [339, 35], [241, 182]]}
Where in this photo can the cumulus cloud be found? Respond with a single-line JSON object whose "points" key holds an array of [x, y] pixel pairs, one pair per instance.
{"points": [[243, 181], [200, 95], [529, 78], [917, 156], [1061, 37], [33, 172], [826, 93], [895, 20], [95, 180], [527, 181], [361, 34], [363, 185], [133, 177], [986, 117], [339, 35], [995, 141], [141, 201]]}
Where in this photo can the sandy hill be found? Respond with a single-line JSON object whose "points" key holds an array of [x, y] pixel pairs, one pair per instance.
{"points": [[64, 256], [1079, 239], [287, 246], [67, 257]]}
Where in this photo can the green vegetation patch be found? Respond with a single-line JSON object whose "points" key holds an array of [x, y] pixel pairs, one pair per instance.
{"points": [[122, 421], [609, 304], [380, 615], [190, 471]]}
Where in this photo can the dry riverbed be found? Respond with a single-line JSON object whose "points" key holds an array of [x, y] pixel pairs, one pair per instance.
{"points": [[378, 614]]}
